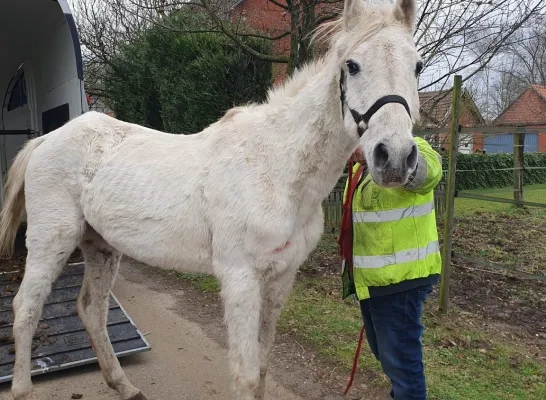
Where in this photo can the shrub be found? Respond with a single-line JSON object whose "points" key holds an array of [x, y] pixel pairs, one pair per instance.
{"points": [[484, 171], [487, 171], [182, 82]]}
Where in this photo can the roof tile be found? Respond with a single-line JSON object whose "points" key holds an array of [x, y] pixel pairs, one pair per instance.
{"points": [[436, 109], [528, 109]]}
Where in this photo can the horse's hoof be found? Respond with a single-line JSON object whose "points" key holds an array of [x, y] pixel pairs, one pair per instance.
{"points": [[138, 396], [22, 395]]}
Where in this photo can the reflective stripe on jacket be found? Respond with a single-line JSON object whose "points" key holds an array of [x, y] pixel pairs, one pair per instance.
{"points": [[395, 238]]}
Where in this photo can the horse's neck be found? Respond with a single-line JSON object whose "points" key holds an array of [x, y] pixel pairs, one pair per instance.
{"points": [[318, 146]]}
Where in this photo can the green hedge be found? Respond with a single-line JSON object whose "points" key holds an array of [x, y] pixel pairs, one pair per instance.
{"points": [[181, 82], [488, 171], [484, 171]]}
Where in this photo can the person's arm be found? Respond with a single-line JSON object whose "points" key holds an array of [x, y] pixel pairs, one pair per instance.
{"points": [[428, 172]]}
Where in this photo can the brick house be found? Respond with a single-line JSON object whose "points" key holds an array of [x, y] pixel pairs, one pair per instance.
{"points": [[273, 20], [527, 111], [436, 113], [95, 103], [267, 17]]}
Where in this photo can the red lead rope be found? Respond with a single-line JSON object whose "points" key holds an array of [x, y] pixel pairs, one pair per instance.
{"points": [[345, 242], [355, 361]]}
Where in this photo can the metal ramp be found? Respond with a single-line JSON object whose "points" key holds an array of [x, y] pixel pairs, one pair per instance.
{"points": [[61, 341]]}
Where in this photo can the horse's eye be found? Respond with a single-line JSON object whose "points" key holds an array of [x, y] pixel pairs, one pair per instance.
{"points": [[353, 67], [418, 68]]}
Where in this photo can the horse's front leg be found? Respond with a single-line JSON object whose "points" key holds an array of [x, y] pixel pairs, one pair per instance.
{"points": [[275, 293], [241, 293]]}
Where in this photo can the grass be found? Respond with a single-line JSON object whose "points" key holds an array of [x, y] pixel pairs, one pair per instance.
{"points": [[204, 282], [531, 193], [513, 238], [502, 233], [464, 360]]}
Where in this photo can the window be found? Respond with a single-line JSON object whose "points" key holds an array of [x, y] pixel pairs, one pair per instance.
{"points": [[55, 118], [18, 92]]}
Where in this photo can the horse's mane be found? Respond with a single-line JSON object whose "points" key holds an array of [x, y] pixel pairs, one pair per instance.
{"points": [[299, 79], [374, 17], [339, 44]]}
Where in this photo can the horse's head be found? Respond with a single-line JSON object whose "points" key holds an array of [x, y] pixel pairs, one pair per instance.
{"points": [[380, 68]]}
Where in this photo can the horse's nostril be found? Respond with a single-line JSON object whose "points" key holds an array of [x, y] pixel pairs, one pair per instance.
{"points": [[380, 155], [412, 158]]}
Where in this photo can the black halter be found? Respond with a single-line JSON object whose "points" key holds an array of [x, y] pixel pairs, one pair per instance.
{"points": [[372, 110]]}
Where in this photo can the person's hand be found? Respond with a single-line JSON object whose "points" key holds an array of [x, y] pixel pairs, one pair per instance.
{"points": [[358, 156]]}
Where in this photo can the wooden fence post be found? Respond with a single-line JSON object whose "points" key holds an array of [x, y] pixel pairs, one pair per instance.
{"points": [[519, 141], [450, 194]]}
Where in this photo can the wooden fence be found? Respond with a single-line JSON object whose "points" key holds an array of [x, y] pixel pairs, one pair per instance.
{"points": [[332, 207]]}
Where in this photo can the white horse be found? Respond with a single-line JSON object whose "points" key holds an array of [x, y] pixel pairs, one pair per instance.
{"points": [[242, 199]]}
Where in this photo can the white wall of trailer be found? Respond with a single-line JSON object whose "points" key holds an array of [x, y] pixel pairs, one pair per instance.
{"points": [[40, 35]]}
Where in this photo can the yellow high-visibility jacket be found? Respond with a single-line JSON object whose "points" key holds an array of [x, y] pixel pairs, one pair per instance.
{"points": [[395, 238]]}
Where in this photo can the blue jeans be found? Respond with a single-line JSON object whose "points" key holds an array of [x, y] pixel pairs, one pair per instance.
{"points": [[394, 329]]}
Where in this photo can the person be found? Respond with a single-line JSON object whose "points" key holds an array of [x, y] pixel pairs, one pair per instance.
{"points": [[391, 260]]}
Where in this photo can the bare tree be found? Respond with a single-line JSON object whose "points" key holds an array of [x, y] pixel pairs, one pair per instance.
{"points": [[103, 29], [528, 53], [465, 37], [506, 88], [448, 31], [453, 36], [290, 21], [523, 64]]}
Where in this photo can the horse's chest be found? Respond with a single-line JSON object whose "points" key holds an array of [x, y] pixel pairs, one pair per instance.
{"points": [[305, 237]]}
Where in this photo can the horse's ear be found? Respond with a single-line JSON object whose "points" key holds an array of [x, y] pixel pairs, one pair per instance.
{"points": [[405, 11], [352, 13]]}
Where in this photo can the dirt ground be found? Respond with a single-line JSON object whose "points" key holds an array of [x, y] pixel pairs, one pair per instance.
{"points": [[515, 303], [188, 359], [188, 356]]}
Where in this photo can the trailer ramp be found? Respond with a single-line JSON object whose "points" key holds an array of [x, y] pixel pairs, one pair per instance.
{"points": [[61, 341]]}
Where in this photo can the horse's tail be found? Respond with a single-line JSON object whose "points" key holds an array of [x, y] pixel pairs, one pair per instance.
{"points": [[14, 200]]}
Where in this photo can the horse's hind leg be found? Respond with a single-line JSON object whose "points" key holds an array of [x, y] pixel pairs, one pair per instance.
{"points": [[101, 266], [52, 235]]}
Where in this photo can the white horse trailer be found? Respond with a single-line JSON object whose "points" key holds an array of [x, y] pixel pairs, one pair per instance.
{"points": [[41, 87], [41, 73]]}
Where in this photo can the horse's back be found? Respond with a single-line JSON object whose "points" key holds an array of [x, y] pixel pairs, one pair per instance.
{"points": [[138, 188], [144, 196]]}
